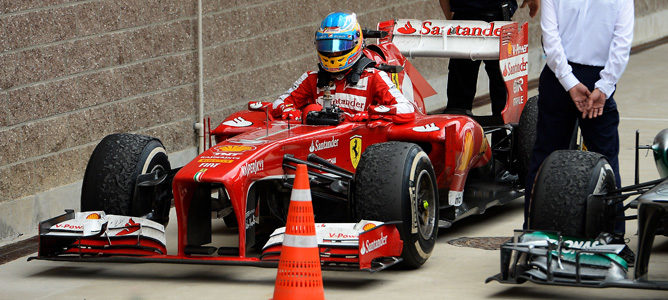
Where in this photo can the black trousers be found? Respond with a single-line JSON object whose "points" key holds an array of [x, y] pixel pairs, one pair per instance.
{"points": [[462, 83], [463, 74], [556, 122]]}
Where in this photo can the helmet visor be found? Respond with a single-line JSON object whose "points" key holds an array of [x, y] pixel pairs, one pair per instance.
{"points": [[333, 46]]}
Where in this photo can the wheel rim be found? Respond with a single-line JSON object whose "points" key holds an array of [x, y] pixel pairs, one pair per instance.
{"points": [[601, 185], [157, 167], [150, 159], [426, 204]]}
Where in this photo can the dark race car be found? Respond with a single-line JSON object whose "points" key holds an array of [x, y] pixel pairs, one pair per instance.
{"points": [[572, 220]]}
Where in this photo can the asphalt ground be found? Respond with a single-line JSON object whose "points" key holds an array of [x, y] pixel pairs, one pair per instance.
{"points": [[457, 268]]}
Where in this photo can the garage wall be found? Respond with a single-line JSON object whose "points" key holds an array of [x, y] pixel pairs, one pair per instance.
{"points": [[72, 72]]}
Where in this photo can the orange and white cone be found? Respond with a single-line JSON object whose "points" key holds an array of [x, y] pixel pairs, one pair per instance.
{"points": [[299, 275]]}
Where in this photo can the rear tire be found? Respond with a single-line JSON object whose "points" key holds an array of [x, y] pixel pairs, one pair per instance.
{"points": [[526, 137], [111, 174], [559, 201], [395, 181]]}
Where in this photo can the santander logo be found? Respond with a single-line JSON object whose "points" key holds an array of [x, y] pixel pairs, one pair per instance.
{"points": [[429, 29], [512, 67], [370, 246], [426, 128], [322, 145], [255, 105], [451, 28], [131, 226], [238, 122], [407, 29]]}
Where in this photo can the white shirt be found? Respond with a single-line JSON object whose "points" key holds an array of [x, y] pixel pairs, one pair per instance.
{"points": [[588, 32]]}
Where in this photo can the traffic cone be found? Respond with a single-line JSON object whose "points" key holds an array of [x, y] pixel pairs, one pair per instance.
{"points": [[299, 275]]}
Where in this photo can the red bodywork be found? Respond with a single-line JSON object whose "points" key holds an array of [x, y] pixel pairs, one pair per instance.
{"points": [[251, 146], [457, 144]]}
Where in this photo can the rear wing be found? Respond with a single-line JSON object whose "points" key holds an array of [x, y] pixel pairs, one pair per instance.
{"points": [[476, 40]]}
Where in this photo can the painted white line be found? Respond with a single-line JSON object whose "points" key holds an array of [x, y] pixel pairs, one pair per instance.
{"points": [[644, 119]]}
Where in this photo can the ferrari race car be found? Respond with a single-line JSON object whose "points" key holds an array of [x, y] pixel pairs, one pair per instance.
{"points": [[573, 207], [380, 190]]}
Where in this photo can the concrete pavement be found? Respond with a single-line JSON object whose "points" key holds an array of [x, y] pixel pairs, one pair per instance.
{"points": [[451, 272]]}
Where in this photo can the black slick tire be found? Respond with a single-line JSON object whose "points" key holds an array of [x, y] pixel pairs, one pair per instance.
{"points": [[526, 137], [111, 173], [559, 200], [395, 181]]}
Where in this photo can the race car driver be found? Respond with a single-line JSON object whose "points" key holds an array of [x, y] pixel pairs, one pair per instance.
{"points": [[345, 78]]}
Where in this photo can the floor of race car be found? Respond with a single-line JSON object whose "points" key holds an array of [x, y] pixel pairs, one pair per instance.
{"points": [[453, 271]]}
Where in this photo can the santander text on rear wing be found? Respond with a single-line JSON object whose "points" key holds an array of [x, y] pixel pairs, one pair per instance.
{"points": [[476, 40]]}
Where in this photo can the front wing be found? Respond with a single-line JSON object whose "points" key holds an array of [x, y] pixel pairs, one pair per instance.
{"points": [[552, 259], [98, 237], [367, 245], [96, 233]]}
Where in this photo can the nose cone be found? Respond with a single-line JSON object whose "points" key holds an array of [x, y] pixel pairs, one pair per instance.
{"points": [[660, 149]]}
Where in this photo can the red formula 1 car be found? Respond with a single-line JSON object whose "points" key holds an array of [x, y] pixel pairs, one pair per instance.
{"points": [[380, 190]]}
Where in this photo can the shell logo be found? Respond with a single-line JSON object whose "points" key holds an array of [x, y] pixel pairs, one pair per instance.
{"points": [[93, 216], [368, 226], [233, 148]]}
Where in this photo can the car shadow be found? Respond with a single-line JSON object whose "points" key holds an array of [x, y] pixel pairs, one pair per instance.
{"points": [[149, 274], [549, 292], [490, 217], [197, 274]]}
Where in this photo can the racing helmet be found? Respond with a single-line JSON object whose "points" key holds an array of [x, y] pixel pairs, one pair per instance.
{"points": [[339, 42]]}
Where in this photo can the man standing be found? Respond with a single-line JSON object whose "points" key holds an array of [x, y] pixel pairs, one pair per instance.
{"points": [[463, 73], [587, 44]]}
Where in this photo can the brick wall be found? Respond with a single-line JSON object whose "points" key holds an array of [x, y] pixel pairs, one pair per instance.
{"points": [[256, 52], [72, 72], [647, 7]]}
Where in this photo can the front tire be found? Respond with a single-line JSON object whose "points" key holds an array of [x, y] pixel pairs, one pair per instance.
{"points": [[112, 171], [559, 201], [395, 181]]}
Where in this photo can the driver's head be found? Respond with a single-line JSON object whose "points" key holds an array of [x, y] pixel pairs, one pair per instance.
{"points": [[339, 42]]}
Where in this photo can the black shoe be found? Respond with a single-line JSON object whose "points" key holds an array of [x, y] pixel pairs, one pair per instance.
{"points": [[628, 255], [506, 177], [618, 239]]}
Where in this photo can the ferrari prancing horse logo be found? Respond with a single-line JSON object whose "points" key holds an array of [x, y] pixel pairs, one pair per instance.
{"points": [[355, 149]]}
